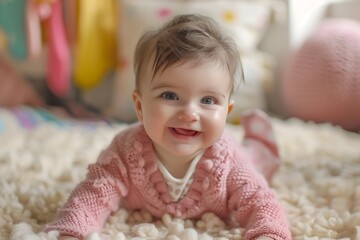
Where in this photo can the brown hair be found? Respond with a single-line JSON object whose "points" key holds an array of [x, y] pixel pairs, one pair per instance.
{"points": [[187, 37]]}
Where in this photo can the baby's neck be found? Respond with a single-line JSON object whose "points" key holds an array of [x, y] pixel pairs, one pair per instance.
{"points": [[176, 166]]}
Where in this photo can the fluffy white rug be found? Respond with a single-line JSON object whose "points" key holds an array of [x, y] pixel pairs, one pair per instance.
{"points": [[318, 184]]}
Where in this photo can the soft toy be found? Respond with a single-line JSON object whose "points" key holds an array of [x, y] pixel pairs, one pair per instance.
{"points": [[322, 81]]}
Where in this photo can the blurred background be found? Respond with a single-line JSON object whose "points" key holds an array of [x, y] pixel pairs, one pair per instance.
{"points": [[74, 57]]}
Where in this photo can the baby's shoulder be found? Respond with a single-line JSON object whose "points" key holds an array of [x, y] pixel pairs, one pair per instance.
{"points": [[132, 133], [234, 152], [129, 141], [229, 146]]}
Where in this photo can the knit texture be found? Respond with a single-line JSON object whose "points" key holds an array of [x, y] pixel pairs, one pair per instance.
{"points": [[321, 82], [225, 183]]}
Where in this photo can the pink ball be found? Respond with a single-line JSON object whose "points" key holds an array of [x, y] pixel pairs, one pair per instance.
{"points": [[322, 81]]}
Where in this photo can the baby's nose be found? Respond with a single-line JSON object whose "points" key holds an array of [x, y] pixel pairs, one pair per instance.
{"points": [[189, 114]]}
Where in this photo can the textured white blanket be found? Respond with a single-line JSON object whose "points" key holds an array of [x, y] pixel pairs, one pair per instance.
{"points": [[318, 184]]}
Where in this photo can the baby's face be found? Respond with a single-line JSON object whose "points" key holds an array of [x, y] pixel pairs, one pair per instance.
{"points": [[184, 108]]}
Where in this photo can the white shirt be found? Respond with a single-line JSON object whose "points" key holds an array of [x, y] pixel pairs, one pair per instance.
{"points": [[178, 187]]}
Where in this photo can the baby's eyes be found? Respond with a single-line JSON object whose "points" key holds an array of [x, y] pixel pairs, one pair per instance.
{"points": [[169, 96], [208, 100], [173, 96]]}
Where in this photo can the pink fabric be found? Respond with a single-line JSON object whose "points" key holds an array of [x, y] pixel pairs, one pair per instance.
{"points": [[59, 57], [322, 81], [33, 28], [225, 182]]}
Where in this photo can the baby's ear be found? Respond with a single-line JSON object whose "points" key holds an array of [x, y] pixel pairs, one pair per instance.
{"points": [[231, 105], [138, 105]]}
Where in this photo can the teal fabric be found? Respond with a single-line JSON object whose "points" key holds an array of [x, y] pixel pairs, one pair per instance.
{"points": [[12, 22]]}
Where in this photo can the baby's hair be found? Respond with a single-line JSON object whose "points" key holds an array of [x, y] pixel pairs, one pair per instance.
{"points": [[187, 37]]}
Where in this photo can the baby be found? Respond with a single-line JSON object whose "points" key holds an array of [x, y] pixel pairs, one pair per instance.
{"points": [[177, 159]]}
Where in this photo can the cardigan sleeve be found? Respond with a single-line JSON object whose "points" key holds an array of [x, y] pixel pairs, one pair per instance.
{"points": [[93, 200], [256, 206]]}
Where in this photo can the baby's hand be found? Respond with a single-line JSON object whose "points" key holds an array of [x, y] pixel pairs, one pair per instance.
{"points": [[264, 238]]}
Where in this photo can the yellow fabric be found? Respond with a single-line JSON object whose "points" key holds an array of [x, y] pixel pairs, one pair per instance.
{"points": [[95, 52]]}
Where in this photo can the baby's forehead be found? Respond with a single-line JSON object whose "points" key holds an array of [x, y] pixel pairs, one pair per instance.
{"points": [[191, 63], [211, 76], [148, 73]]}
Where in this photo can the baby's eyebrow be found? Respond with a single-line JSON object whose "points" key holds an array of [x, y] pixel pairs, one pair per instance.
{"points": [[219, 94], [206, 92], [161, 86]]}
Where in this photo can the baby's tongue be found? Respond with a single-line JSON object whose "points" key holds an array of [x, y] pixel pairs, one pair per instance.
{"points": [[185, 131]]}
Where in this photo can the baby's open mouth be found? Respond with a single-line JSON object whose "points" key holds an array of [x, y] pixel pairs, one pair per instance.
{"points": [[185, 132]]}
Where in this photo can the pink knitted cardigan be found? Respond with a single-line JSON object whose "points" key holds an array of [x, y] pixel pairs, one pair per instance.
{"points": [[127, 171]]}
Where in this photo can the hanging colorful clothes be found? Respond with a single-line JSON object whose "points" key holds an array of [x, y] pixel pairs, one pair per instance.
{"points": [[95, 53], [33, 29], [58, 55], [12, 22]]}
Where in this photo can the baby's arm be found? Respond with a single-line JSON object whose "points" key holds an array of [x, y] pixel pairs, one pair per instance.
{"points": [[256, 206], [94, 199]]}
